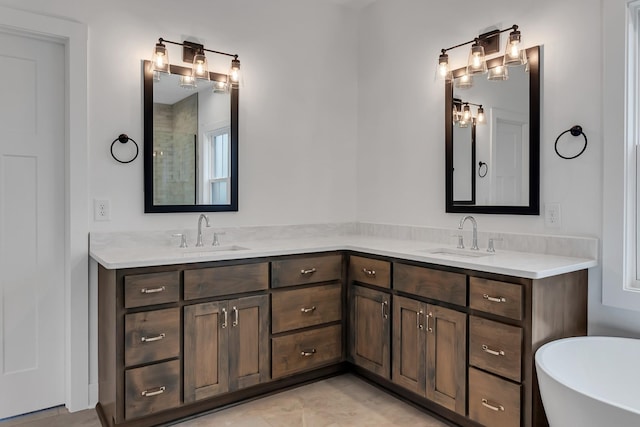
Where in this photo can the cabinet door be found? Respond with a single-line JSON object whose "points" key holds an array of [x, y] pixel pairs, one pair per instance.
{"points": [[446, 356], [206, 350], [370, 330], [249, 355], [409, 344]]}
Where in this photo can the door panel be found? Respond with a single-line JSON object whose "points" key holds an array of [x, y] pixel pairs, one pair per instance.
{"points": [[249, 341], [206, 350], [32, 135], [409, 345], [446, 357], [370, 330]]}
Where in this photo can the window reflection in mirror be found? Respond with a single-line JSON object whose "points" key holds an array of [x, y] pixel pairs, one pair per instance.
{"points": [[190, 146], [507, 143]]}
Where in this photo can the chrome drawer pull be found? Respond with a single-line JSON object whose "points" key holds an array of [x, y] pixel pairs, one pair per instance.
{"points": [[384, 311], [236, 317], [494, 299], [153, 290], [369, 272], [148, 393], [497, 407], [307, 353], [309, 271], [493, 352], [152, 339], [308, 310], [224, 322]]}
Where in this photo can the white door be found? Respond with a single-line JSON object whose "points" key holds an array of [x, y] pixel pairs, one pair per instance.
{"points": [[510, 155], [32, 224]]}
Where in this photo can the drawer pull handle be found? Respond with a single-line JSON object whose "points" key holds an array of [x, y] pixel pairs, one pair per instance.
{"points": [[159, 390], [308, 310], [307, 353], [153, 290], [384, 311], [496, 407], [494, 299], [152, 339], [418, 324], [429, 328], [236, 317], [371, 273], [224, 322], [309, 271], [493, 352]]}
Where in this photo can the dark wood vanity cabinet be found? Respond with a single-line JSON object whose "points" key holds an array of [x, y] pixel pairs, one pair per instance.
{"points": [[178, 340]]}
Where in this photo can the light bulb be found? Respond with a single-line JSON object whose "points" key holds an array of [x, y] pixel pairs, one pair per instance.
{"points": [[234, 72], [480, 117], [466, 113]]}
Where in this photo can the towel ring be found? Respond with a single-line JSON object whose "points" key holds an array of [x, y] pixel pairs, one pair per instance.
{"points": [[486, 169], [124, 138], [575, 131]]}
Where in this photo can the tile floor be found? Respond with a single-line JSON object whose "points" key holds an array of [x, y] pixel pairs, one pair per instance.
{"points": [[343, 401]]}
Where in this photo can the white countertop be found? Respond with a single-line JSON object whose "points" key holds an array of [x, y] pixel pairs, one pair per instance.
{"points": [[520, 264]]}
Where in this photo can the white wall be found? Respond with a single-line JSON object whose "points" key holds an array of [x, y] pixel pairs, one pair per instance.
{"points": [[401, 117], [297, 106]]}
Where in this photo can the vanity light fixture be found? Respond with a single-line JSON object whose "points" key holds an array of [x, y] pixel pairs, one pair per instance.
{"points": [[481, 46], [499, 72], [194, 53]]}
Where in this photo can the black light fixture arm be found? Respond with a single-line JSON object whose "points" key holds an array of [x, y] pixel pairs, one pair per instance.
{"points": [[161, 40], [481, 37]]}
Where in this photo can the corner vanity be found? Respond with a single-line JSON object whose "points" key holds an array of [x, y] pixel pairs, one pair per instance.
{"points": [[181, 333]]}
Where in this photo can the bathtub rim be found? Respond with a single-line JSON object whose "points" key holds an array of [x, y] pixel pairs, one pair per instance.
{"points": [[541, 366]]}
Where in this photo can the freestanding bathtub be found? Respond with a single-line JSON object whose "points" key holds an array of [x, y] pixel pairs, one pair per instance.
{"points": [[590, 381]]}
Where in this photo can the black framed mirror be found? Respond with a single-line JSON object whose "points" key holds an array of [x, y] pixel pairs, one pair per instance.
{"points": [[190, 142], [494, 167]]}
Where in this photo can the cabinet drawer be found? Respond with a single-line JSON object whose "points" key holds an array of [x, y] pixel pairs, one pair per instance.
{"points": [[152, 389], [501, 298], [306, 350], [426, 282], [152, 335], [495, 347], [493, 401], [151, 288], [300, 271], [234, 279], [370, 271], [299, 308]]}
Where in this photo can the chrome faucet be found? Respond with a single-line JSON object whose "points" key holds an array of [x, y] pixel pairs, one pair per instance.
{"points": [[474, 243], [200, 218]]}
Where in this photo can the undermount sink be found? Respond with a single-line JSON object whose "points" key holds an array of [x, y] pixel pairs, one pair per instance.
{"points": [[209, 249], [461, 253]]}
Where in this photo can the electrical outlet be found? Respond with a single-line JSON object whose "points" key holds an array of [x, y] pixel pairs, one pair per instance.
{"points": [[101, 210], [552, 218]]}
